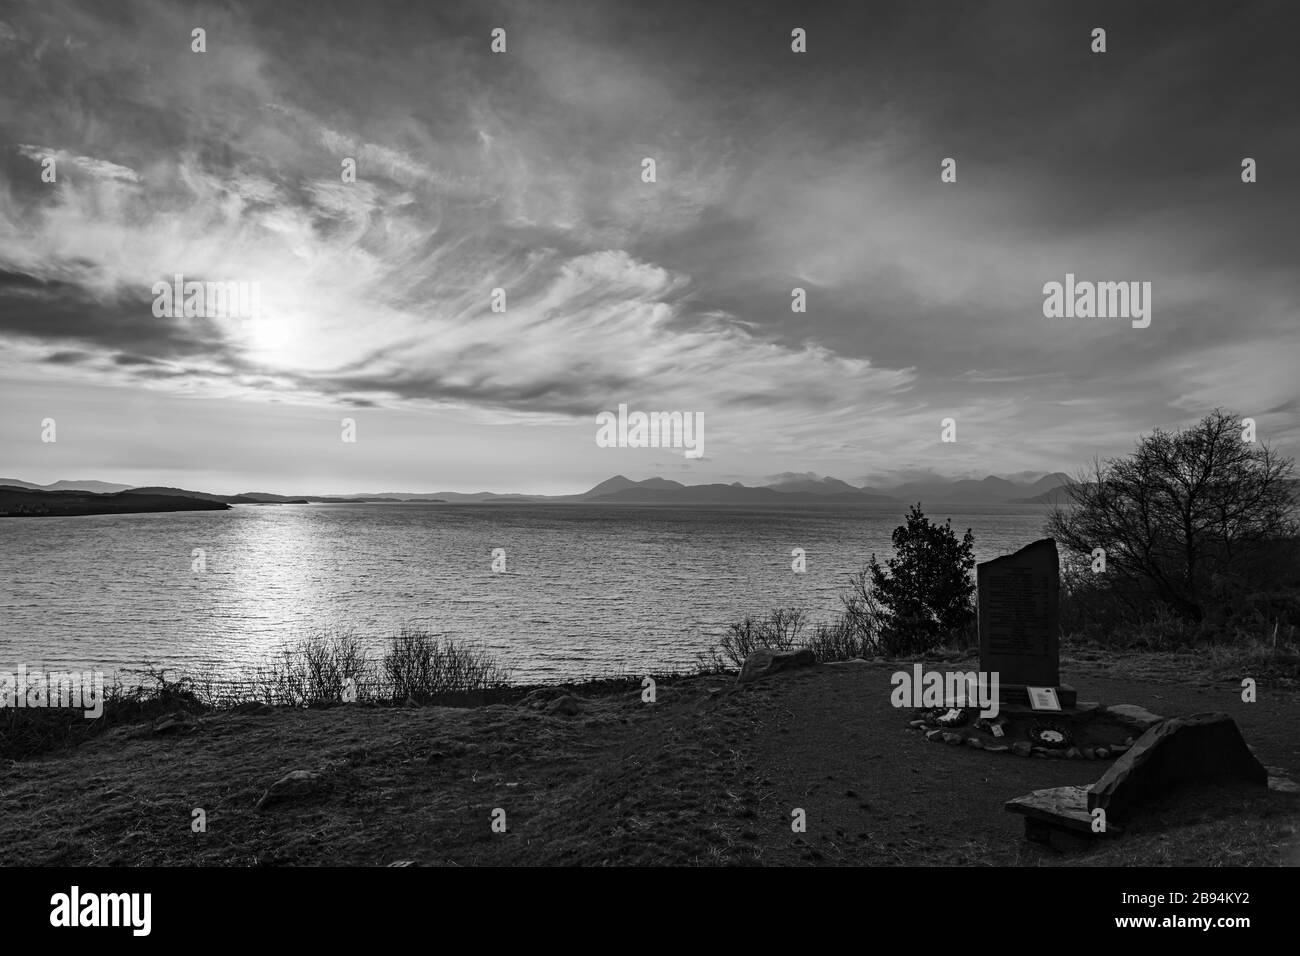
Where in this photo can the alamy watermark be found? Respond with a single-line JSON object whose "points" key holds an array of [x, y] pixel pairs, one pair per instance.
{"points": [[83, 690], [1098, 300], [652, 430], [924, 689], [77, 909], [206, 300]]}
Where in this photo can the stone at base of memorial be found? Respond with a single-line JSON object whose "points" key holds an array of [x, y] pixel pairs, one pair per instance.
{"points": [[996, 748], [933, 734], [1058, 817], [1134, 716], [975, 742], [952, 739], [1021, 748], [1176, 751]]}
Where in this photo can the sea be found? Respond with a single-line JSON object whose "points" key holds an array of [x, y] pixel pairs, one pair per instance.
{"points": [[556, 592]]}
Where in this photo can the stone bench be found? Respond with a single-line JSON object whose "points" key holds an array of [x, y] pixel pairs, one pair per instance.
{"points": [[1172, 752]]}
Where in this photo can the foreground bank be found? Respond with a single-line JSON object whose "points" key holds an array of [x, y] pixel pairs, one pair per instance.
{"points": [[709, 773]]}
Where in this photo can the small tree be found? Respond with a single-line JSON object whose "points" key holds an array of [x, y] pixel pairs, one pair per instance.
{"points": [[925, 591], [1186, 511]]}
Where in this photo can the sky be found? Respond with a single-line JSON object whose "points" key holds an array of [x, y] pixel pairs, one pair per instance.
{"points": [[523, 171]]}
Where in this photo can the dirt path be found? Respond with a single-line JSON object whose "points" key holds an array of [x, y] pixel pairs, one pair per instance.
{"points": [[709, 774]]}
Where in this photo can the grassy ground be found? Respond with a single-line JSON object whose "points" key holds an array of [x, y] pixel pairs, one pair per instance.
{"points": [[709, 774]]}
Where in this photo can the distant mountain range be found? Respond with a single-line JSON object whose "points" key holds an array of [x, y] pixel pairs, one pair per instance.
{"points": [[988, 490], [824, 491], [65, 497], [95, 487]]}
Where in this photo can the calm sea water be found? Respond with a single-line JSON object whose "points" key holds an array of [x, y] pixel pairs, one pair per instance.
{"points": [[586, 590]]}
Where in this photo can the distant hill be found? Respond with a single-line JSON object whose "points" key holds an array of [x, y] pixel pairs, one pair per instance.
{"points": [[26, 502], [262, 498], [244, 499], [814, 486], [354, 499], [175, 492], [990, 490], [1056, 496], [255, 500], [97, 487], [619, 484], [661, 491], [471, 497], [1056, 479]]}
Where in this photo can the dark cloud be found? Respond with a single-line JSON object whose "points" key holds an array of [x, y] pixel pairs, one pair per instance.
{"points": [[67, 357], [69, 310]]}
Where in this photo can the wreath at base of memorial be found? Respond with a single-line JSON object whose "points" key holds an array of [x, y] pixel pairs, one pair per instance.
{"points": [[947, 716], [1047, 734]]}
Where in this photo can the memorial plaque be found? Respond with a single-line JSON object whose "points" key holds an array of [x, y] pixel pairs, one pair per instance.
{"points": [[1019, 615], [1043, 698]]}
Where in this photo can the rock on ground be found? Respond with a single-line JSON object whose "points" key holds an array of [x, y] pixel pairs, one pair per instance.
{"points": [[765, 662], [1133, 716], [568, 705], [1176, 751]]}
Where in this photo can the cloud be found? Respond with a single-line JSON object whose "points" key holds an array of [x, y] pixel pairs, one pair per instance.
{"points": [[98, 168], [522, 172]]}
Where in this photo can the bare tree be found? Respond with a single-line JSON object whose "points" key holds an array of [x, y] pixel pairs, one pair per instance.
{"points": [[1184, 509]]}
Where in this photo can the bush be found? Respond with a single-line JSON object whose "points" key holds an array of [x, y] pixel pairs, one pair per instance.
{"points": [[314, 670], [839, 640], [862, 614], [419, 666], [779, 631]]}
